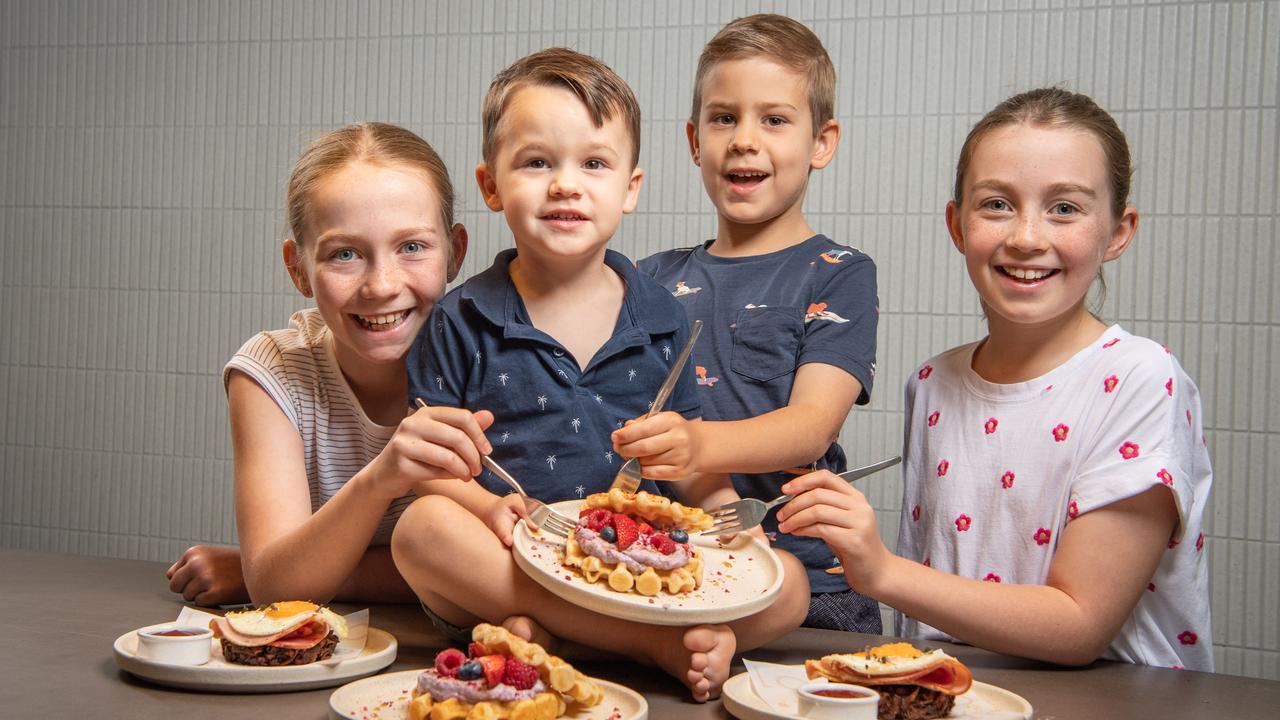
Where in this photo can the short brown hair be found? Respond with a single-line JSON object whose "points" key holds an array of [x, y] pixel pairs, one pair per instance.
{"points": [[1057, 108], [373, 142], [782, 40], [598, 87]]}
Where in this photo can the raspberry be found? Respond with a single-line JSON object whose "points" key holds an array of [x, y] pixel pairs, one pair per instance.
{"points": [[475, 650], [493, 665], [448, 662], [519, 675], [596, 519], [627, 531], [662, 543]]}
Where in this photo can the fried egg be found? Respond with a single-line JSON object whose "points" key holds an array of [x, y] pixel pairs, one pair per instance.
{"points": [[890, 659], [281, 617]]}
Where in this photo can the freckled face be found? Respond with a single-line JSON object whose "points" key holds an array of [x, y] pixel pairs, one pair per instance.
{"points": [[1036, 224]]}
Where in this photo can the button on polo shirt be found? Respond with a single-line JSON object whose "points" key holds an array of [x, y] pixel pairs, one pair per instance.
{"points": [[553, 420]]}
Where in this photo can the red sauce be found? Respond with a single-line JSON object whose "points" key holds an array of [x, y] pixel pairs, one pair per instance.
{"points": [[176, 633], [839, 693]]}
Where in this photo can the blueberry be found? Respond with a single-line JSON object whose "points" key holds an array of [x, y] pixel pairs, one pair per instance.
{"points": [[608, 534], [470, 671], [679, 535]]}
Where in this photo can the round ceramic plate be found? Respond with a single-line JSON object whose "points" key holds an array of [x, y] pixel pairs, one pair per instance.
{"points": [[218, 675], [982, 701], [386, 697], [739, 579]]}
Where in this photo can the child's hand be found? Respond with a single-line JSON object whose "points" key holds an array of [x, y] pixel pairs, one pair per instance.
{"points": [[828, 508], [666, 444], [503, 515], [209, 575], [431, 443]]}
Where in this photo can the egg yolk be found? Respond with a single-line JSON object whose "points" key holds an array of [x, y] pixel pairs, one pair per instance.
{"points": [[902, 650], [289, 608]]}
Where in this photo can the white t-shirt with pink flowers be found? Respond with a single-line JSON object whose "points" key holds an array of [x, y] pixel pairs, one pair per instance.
{"points": [[994, 473]]}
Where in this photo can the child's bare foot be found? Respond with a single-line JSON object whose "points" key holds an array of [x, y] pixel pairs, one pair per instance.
{"points": [[702, 660], [527, 628]]}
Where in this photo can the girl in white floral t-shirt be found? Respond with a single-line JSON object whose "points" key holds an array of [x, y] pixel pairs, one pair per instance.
{"points": [[1056, 473]]}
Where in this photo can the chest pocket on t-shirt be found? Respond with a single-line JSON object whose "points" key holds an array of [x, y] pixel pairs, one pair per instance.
{"points": [[766, 340]]}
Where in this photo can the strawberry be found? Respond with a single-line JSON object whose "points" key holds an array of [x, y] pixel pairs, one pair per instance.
{"points": [[494, 666], [627, 530], [475, 650], [448, 661], [519, 675], [645, 528], [662, 543], [595, 519]]}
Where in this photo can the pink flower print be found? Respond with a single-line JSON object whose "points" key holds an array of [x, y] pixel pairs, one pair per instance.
{"points": [[1073, 510], [1151, 587], [1178, 667], [942, 468], [1110, 384], [990, 425], [1186, 637], [991, 577], [933, 418], [963, 522], [1060, 432], [1006, 480], [1165, 348], [1165, 477], [1048, 388], [1042, 536], [1110, 343], [1188, 416], [915, 514], [1168, 386], [1200, 542], [925, 372], [927, 562], [1129, 450], [1172, 543]]}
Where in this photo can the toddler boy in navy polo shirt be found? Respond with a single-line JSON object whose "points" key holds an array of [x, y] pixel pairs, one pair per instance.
{"points": [[790, 316], [564, 341]]}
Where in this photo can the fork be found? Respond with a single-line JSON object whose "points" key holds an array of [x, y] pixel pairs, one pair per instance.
{"points": [[749, 512], [628, 478], [540, 514]]}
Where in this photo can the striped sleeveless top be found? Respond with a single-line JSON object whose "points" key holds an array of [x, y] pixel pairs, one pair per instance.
{"points": [[298, 370]]}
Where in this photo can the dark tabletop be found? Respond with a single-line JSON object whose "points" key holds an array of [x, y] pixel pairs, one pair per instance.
{"points": [[59, 615]]}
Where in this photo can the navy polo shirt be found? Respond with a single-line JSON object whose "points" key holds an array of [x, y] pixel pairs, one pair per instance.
{"points": [[479, 350]]}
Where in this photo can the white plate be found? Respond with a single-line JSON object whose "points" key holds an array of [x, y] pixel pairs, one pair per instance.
{"points": [[982, 701], [737, 580], [386, 697], [222, 676]]}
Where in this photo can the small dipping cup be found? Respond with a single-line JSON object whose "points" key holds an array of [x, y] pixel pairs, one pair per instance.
{"points": [[838, 701], [175, 644]]}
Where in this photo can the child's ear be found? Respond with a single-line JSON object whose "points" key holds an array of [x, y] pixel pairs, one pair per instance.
{"points": [[293, 263], [824, 145], [488, 183], [1122, 235], [691, 131], [953, 226], [457, 250], [633, 190]]}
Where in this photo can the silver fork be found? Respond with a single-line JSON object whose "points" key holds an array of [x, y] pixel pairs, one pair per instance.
{"points": [[628, 478], [749, 512], [540, 514]]}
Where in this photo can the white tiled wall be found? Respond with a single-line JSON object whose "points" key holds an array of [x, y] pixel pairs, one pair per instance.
{"points": [[145, 146]]}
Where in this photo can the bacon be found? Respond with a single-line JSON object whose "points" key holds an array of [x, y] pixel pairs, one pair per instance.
{"points": [[949, 676], [310, 632]]}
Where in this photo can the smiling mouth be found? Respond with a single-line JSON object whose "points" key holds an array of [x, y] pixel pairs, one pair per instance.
{"points": [[384, 322], [565, 217], [1025, 275], [746, 178]]}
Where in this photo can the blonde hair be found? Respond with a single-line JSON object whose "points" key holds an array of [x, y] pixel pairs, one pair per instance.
{"points": [[782, 40], [1054, 107], [372, 142], [598, 87]]}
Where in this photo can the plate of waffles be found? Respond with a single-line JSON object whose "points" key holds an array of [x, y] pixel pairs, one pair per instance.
{"points": [[640, 557]]}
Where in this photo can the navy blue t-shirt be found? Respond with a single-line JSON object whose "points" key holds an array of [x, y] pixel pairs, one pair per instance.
{"points": [[480, 351], [764, 316]]}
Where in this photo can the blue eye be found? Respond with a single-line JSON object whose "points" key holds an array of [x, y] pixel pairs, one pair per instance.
{"points": [[413, 247], [1063, 208], [344, 255]]}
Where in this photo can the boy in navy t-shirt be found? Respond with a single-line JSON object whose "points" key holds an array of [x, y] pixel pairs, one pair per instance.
{"points": [[790, 336]]}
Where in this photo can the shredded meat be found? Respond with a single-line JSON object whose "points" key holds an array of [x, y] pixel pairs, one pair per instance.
{"points": [[272, 656], [912, 702]]}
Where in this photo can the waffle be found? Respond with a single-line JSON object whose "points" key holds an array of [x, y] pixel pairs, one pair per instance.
{"points": [[558, 675], [619, 577], [654, 509]]}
